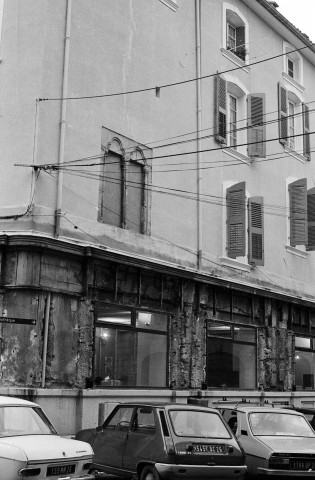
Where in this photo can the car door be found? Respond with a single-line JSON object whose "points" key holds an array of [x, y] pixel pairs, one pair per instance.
{"points": [[109, 441], [141, 444]]}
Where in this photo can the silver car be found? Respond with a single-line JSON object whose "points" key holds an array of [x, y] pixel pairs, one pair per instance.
{"points": [[277, 442]]}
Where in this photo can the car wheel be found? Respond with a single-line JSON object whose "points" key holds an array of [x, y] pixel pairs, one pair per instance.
{"points": [[149, 473]]}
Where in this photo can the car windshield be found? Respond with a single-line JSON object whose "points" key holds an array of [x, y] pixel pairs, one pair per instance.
{"points": [[22, 420], [190, 423], [270, 423]]}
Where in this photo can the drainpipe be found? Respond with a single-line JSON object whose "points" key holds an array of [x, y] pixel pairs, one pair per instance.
{"points": [[199, 126], [48, 301], [63, 118]]}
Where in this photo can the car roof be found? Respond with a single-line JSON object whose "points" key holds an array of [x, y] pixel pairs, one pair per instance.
{"points": [[13, 401], [257, 408], [169, 405]]}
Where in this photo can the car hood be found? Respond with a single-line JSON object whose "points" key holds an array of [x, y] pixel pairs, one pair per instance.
{"points": [[289, 444], [46, 447]]}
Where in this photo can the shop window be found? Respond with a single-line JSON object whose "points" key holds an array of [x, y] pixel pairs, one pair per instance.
{"points": [[231, 356], [130, 347], [304, 363]]}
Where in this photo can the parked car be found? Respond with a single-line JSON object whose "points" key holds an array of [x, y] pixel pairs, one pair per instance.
{"points": [[278, 442], [165, 441], [30, 446]]}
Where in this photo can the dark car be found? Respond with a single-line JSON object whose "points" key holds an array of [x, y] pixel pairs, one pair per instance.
{"points": [[165, 441]]}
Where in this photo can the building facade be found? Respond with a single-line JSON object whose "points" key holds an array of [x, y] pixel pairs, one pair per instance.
{"points": [[157, 200]]}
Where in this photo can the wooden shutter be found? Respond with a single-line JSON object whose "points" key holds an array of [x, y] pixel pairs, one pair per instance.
{"points": [[255, 231], [235, 199], [220, 114], [256, 124], [311, 219], [298, 212], [306, 132], [283, 114]]}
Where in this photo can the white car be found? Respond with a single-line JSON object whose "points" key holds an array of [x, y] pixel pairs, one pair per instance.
{"points": [[31, 448]]}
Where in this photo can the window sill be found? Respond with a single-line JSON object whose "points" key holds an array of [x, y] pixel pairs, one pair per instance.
{"points": [[231, 56], [237, 264], [295, 154], [296, 251], [293, 82], [239, 156], [171, 4]]}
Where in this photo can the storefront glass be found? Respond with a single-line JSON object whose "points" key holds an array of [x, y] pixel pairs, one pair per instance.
{"points": [[130, 348]]}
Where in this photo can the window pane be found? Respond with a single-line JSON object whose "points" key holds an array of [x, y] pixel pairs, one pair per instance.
{"points": [[123, 415], [304, 370], [230, 365], [219, 329], [188, 423], [110, 314], [152, 321], [245, 334], [135, 191], [130, 358], [111, 191], [303, 342]]}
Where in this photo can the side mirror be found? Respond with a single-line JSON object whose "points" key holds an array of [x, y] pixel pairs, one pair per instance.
{"points": [[99, 428]]}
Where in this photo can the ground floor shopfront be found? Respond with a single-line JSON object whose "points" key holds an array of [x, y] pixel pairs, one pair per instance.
{"points": [[94, 324]]}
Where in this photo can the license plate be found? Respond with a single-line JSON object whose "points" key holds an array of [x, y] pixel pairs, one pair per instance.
{"points": [[209, 448], [302, 465], [60, 470]]}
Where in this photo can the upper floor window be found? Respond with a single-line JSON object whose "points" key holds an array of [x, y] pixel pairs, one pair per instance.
{"points": [[294, 124], [123, 196], [236, 32], [292, 66], [244, 216], [232, 108]]}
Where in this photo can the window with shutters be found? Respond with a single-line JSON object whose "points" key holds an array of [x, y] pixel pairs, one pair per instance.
{"points": [[245, 226], [235, 35], [256, 125], [123, 196], [294, 127]]}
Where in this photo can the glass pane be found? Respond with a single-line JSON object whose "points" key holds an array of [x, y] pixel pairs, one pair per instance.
{"points": [[230, 365], [135, 190], [189, 423], [302, 342], [110, 314], [304, 370], [152, 321], [122, 416], [245, 334], [23, 421], [223, 304], [264, 423], [219, 329], [151, 360], [128, 358]]}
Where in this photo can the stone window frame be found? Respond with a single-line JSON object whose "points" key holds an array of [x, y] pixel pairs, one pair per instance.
{"points": [[129, 152]]}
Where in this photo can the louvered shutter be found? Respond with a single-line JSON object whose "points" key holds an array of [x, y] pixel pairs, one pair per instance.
{"points": [[235, 199], [306, 132], [255, 231], [256, 130], [311, 219], [220, 114], [283, 114], [298, 212]]}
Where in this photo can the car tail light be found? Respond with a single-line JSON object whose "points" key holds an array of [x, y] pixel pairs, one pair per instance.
{"points": [[279, 461], [29, 472], [170, 448]]}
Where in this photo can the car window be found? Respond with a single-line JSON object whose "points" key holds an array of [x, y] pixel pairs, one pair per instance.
{"points": [[122, 417], [144, 420], [20, 420], [190, 423], [270, 423]]}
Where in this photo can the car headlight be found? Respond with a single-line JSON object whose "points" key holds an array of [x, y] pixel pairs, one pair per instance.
{"points": [[279, 460], [29, 472]]}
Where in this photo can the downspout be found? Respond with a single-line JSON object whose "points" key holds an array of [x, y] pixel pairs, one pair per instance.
{"points": [[63, 118], [45, 342], [199, 126]]}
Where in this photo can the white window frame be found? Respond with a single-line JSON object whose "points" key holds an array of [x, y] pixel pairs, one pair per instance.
{"points": [[237, 90], [225, 51], [295, 145], [296, 58]]}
